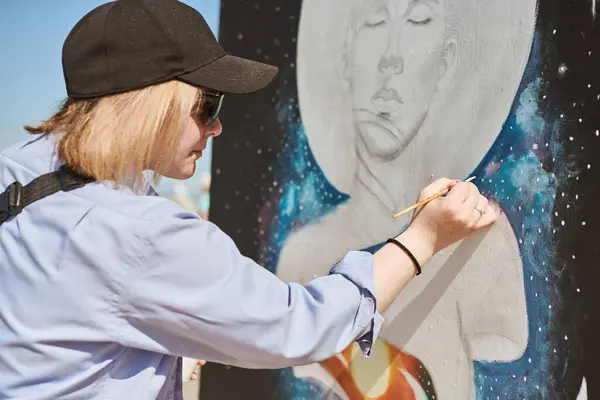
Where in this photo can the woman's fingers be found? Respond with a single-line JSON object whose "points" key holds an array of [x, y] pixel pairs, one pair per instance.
{"points": [[194, 375], [489, 217], [464, 198], [436, 186], [459, 193], [480, 209]]}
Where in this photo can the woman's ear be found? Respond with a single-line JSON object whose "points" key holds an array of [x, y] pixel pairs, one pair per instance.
{"points": [[449, 64]]}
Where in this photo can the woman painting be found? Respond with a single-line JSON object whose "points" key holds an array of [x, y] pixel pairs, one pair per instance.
{"points": [[105, 286]]}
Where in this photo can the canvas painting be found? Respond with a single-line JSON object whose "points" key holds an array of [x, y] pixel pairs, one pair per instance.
{"points": [[375, 100]]}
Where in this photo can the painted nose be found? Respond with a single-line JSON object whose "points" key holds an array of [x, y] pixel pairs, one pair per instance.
{"points": [[391, 62]]}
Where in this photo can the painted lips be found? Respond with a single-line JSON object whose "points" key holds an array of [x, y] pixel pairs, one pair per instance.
{"points": [[386, 101], [377, 125]]}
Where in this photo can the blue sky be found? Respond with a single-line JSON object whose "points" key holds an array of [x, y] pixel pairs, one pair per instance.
{"points": [[31, 37]]}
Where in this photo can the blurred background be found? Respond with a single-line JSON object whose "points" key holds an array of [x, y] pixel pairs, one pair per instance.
{"points": [[31, 82]]}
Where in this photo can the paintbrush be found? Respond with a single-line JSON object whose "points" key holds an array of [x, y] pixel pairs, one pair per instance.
{"points": [[427, 200]]}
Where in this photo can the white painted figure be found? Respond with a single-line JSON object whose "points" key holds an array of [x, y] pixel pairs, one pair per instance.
{"points": [[403, 91]]}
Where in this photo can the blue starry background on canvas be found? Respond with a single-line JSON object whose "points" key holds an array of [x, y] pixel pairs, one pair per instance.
{"points": [[541, 170]]}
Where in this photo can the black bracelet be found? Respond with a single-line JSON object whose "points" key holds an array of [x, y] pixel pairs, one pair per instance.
{"points": [[408, 253]]}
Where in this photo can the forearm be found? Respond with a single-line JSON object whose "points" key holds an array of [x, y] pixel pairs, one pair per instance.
{"points": [[394, 269]]}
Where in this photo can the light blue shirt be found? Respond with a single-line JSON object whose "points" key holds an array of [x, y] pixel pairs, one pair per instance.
{"points": [[102, 292]]}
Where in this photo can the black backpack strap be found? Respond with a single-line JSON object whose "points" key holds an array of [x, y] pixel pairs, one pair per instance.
{"points": [[16, 196]]}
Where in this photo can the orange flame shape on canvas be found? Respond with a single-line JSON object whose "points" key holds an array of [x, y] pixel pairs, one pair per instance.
{"points": [[389, 374]]}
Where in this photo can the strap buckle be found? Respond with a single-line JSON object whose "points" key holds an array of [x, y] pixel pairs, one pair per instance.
{"points": [[11, 201]]}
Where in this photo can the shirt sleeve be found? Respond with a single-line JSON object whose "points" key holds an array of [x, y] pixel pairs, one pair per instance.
{"points": [[193, 294]]}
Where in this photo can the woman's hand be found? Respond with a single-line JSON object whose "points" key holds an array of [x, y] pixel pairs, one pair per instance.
{"points": [[436, 225], [447, 220], [195, 375]]}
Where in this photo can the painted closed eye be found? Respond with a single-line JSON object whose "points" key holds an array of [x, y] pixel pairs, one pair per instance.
{"points": [[376, 18], [421, 14]]}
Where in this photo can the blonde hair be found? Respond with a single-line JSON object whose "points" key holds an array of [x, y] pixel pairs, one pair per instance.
{"points": [[117, 137]]}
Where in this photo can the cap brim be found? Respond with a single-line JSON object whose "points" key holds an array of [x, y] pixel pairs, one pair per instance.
{"points": [[232, 75]]}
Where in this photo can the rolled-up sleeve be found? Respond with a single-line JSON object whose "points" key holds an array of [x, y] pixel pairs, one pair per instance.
{"points": [[191, 293]]}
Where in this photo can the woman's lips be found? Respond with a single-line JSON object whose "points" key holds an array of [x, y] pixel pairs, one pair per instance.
{"points": [[197, 153]]}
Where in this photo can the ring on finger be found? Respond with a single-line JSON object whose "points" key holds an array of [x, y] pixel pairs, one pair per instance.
{"points": [[480, 212]]}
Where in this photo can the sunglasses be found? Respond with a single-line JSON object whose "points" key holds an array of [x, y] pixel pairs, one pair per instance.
{"points": [[210, 107]]}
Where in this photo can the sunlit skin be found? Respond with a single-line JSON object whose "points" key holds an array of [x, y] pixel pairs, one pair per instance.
{"points": [[195, 375], [189, 150]]}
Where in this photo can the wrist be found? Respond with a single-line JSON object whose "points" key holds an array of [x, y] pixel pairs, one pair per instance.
{"points": [[418, 244]]}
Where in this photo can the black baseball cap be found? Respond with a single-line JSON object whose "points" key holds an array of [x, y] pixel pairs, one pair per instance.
{"points": [[130, 44]]}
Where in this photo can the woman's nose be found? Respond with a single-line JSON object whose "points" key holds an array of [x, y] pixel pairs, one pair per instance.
{"points": [[215, 128]]}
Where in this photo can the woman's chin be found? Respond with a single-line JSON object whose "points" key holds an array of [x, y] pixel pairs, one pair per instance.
{"points": [[188, 172], [185, 172]]}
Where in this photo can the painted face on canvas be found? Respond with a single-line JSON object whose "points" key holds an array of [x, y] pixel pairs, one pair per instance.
{"points": [[397, 59]]}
